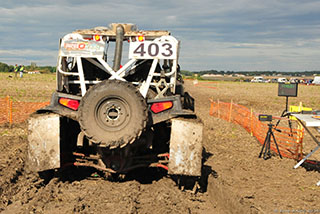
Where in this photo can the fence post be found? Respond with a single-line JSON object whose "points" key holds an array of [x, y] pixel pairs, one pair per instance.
{"points": [[300, 135], [8, 108], [10, 112], [218, 108], [230, 111], [251, 122], [211, 107], [300, 155]]}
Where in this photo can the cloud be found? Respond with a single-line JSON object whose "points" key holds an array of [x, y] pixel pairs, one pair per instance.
{"points": [[228, 35], [26, 56]]}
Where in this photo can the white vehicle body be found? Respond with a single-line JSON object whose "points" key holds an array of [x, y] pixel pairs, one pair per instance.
{"points": [[258, 79], [122, 116], [282, 80], [90, 46], [316, 80]]}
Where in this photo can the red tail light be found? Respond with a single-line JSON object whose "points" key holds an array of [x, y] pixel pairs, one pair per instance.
{"points": [[97, 38], [141, 38], [162, 106], [72, 104]]}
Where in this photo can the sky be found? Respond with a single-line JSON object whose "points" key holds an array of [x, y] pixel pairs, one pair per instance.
{"points": [[228, 35]]}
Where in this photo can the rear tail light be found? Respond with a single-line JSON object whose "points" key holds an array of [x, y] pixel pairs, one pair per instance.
{"points": [[161, 106], [97, 38], [141, 38], [72, 104]]}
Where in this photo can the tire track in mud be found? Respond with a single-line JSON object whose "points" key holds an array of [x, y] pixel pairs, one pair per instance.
{"points": [[100, 196], [237, 181], [245, 183], [11, 162], [79, 190]]}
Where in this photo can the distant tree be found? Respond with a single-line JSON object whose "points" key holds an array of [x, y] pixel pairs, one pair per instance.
{"points": [[184, 73], [5, 68], [33, 66], [47, 69]]}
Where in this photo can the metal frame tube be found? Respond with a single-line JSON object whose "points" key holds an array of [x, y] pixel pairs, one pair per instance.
{"points": [[118, 48]]}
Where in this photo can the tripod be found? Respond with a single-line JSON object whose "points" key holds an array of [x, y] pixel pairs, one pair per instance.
{"points": [[267, 142]]}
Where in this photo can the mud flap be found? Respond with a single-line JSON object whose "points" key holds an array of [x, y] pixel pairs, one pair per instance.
{"points": [[185, 148], [44, 142]]}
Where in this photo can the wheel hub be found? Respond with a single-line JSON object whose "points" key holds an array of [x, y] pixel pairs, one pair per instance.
{"points": [[113, 113]]}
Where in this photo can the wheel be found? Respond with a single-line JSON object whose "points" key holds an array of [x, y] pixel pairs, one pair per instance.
{"points": [[113, 113]]}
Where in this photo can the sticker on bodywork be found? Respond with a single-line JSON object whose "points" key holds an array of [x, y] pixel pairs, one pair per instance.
{"points": [[76, 45]]}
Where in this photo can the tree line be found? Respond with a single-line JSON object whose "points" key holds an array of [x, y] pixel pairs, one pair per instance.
{"points": [[33, 67], [50, 69]]}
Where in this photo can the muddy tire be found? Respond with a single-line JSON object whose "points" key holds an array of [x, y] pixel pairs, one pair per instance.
{"points": [[113, 113]]}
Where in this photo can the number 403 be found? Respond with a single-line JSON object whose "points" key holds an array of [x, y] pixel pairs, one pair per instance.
{"points": [[153, 49]]}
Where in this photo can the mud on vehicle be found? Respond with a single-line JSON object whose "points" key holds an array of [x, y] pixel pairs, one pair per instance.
{"points": [[117, 118]]}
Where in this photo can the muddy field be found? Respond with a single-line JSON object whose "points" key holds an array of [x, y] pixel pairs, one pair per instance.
{"points": [[235, 180]]}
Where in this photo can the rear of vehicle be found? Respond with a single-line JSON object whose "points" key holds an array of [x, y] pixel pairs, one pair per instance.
{"points": [[120, 117]]}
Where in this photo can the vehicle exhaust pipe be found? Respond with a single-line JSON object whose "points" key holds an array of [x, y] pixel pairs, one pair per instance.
{"points": [[118, 48]]}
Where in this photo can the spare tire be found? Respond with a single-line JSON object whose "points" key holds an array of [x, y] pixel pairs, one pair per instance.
{"points": [[113, 113]]}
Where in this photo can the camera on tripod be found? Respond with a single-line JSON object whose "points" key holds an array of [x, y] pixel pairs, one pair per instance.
{"points": [[284, 90], [265, 117], [265, 151]]}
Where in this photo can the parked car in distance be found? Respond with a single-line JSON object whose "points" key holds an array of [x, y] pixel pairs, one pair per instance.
{"points": [[316, 80], [274, 80], [306, 81], [282, 80], [259, 79], [294, 80]]}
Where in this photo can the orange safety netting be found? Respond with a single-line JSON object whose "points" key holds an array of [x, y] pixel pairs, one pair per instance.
{"points": [[288, 140], [16, 111]]}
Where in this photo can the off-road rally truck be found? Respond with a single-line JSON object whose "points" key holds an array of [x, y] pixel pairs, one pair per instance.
{"points": [[117, 118]]}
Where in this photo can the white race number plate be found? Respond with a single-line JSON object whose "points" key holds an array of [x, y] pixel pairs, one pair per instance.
{"points": [[152, 50]]}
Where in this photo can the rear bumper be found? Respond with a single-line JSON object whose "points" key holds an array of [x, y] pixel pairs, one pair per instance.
{"points": [[178, 109]]}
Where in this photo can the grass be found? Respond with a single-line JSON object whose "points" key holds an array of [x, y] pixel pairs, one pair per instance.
{"points": [[263, 97], [30, 88]]}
